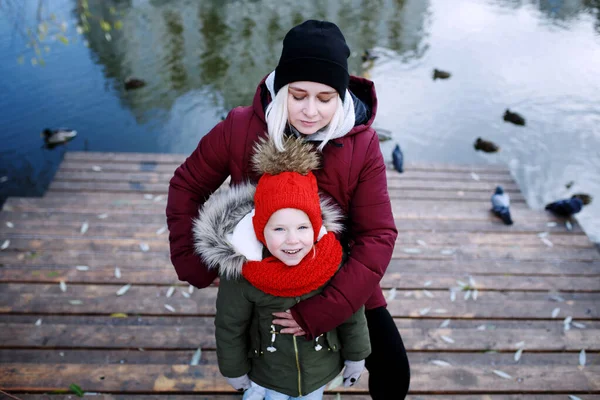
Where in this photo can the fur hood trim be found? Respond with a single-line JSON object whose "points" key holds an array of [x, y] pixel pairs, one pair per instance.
{"points": [[298, 156], [221, 213]]}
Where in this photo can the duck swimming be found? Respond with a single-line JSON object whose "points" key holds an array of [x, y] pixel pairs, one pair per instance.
{"points": [[485, 146], [439, 74], [54, 137], [134, 83], [515, 118]]}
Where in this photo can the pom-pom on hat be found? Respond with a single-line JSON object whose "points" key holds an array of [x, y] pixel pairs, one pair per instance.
{"points": [[286, 182], [314, 51]]}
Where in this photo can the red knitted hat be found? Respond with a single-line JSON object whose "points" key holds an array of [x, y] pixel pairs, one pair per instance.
{"points": [[286, 190]]}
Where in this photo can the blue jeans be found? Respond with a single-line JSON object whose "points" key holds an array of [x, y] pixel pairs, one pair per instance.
{"points": [[257, 392]]}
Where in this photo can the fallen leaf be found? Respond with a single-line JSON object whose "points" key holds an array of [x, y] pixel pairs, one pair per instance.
{"points": [[117, 273], [76, 389], [427, 284], [582, 358], [118, 315], [502, 374], [63, 286], [185, 294], [161, 230], [571, 397], [447, 339], [75, 302], [445, 323], [424, 311], [569, 226], [421, 243], [428, 294], [411, 251], [392, 294], [102, 216], [170, 291], [10, 224], [474, 176], [547, 242], [520, 345], [144, 247], [82, 268], [555, 312], [168, 307], [84, 227], [579, 325], [441, 363], [123, 289], [518, 354], [196, 357], [38, 322], [5, 245]]}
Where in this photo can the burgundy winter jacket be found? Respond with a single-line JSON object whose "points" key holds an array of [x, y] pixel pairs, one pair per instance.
{"points": [[352, 172]]}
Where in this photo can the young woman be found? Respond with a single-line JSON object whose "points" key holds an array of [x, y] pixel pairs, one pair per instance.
{"points": [[310, 95]]}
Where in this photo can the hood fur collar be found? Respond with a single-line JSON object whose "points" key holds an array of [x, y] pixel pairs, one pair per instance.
{"points": [[219, 217]]}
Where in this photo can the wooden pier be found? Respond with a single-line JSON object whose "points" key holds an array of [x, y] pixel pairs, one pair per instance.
{"points": [[468, 293]]}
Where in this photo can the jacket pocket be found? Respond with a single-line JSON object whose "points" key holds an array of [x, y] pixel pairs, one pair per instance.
{"points": [[333, 341]]}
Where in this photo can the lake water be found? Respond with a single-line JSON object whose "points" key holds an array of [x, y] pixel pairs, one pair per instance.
{"points": [[63, 63]]}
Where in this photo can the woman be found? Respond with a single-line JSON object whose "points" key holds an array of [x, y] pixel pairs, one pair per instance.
{"points": [[310, 95]]}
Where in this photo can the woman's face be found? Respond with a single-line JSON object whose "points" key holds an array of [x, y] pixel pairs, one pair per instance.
{"points": [[311, 106], [289, 235]]}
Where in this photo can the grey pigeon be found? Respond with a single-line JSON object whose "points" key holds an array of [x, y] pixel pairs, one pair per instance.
{"points": [[501, 205], [565, 207]]}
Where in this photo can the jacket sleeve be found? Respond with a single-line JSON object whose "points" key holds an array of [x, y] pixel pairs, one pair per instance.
{"points": [[193, 182], [354, 335], [232, 324], [372, 233]]}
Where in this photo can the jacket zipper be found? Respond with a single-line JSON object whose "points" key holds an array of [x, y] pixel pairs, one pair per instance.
{"points": [[298, 367]]}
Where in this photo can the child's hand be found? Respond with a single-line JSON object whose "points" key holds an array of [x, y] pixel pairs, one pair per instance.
{"points": [[352, 372], [240, 383]]}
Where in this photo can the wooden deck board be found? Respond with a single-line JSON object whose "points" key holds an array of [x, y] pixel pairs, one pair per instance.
{"points": [[447, 239]]}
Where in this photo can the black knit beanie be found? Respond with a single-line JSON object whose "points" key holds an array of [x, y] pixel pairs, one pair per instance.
{"points": [[314, 51]]}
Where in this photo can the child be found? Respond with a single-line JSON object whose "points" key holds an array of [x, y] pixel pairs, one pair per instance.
{"points": [[269, 259]]}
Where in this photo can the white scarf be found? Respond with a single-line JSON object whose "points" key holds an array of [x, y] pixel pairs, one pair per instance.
{"points": [[348, 109]]}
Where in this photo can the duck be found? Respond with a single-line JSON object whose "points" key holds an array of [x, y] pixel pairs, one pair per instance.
{"points": [[134, 83], [439, 74], [368, 56], [565, 207], [54, 137], [513, 117], [486, 146]]}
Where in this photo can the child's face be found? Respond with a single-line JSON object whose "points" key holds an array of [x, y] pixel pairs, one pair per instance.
{"points": [[289, 235], [311, 106]]}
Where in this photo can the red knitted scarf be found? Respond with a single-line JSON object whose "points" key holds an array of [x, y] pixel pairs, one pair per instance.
{"points": [[274, 277]]}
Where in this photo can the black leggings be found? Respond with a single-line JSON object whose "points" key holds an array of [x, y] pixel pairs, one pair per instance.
{"points": [[389, 372]]}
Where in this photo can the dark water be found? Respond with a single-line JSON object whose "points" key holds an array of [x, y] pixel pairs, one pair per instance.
{"points": [[201, 58]]}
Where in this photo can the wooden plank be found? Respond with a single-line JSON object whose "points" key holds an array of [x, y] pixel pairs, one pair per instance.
{"points": [[164, 372], [115, 225], [123, 157], [394, 277], [448, 195], [498, 177], [179, 333], [407, 182], [57, 240], [151, 300], [455, 167]]}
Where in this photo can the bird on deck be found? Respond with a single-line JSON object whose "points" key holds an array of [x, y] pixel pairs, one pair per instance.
{"points": [[486, 146], [439, 74], [54, 137], [501, 205], [134, 83], [513, 117], [565, 207], [398, 159]]}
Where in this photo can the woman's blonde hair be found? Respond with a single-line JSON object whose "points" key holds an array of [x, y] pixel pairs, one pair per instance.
{"points": [[277, 119]]}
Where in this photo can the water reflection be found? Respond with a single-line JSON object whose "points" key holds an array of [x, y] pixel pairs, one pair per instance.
{"points": [[202, 58]]}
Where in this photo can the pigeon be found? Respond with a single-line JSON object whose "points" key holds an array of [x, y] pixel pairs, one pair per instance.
{"points": [[515, 118], [439, 74], [485, 146], [53, 137], [501, 205], [565, 207], [398, 159], [134, 83]]}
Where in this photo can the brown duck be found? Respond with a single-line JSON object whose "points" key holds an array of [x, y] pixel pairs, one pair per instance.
{"points": [[486, 146]]}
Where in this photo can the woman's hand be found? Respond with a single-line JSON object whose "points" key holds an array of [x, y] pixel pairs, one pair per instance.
{"points": [[290, 325]]}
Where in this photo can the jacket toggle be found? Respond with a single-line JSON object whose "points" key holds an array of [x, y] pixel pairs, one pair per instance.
{"points": [[273, 333]]}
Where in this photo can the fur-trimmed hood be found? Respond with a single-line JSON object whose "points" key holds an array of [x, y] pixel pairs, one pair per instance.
{"points": [[225, 218]]}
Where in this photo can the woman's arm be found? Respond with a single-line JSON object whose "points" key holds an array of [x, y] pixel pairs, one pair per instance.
{"points": [[373, 234], [193, 182]]}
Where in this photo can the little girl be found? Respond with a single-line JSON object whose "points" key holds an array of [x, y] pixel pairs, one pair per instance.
{"points": [[274, 246]]}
